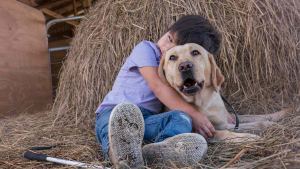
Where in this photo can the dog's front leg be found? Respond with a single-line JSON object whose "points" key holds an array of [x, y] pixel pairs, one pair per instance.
{"points": [[227, 136], [258, 125], [274, 117]]}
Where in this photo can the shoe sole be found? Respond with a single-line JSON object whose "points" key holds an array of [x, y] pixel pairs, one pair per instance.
{"points": [[183, 149], [125, 133]]}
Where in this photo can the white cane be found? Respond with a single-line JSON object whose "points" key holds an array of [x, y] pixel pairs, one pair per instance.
{"points": [[42, 157]]}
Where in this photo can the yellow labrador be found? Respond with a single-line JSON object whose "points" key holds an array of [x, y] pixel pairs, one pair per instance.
{"points": [[193, 72]]}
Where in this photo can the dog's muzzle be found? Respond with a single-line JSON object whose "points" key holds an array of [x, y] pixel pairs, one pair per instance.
{"points": [[190, 86]]}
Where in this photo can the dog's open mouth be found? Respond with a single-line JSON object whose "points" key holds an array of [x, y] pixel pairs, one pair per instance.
{"points": [[190, 86]]}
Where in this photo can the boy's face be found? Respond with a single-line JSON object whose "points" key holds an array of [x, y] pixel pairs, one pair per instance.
{"points": [[166, 42]]}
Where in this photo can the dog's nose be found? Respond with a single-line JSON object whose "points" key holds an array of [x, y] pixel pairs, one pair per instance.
{"points": [[185, 66]]}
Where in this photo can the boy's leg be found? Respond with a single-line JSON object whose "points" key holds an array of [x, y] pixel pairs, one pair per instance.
{"points": [[174, 140], [125, 132], [101, 130], [169, 124]]}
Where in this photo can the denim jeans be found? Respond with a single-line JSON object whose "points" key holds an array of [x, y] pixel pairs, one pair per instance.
{"points": [[157, 126]]}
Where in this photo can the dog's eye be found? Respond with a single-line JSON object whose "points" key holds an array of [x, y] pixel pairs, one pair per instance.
{"points": [[195, 52], [173, 57]]}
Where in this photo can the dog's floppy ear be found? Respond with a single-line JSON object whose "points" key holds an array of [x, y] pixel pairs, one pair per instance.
{"points": [[161, 71], [216, 76]]}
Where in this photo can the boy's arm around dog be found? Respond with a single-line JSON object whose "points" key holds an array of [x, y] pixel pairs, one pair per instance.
{"points": [[169, 97]]}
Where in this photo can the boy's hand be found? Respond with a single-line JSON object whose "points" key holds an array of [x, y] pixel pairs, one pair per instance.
{"points": [[203, 126]]}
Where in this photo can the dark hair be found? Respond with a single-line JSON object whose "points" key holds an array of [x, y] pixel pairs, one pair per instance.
{"points": [[196, 29]]}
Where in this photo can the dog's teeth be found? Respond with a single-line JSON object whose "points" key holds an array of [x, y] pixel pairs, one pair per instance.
{"points": [[184, 87]]}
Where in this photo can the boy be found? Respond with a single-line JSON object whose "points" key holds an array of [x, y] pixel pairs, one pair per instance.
{"points": [[121, 127]]}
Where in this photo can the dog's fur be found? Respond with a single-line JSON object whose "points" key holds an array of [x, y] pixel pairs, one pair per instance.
{"points": [[189, 65]]}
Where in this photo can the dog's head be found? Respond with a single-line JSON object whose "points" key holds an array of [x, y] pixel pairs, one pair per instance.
{"points": [[189, 69]]}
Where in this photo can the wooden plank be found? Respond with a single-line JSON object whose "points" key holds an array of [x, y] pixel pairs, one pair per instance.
{"points": [[59, 26], [64, 42], [87, 3], [74, 8], [59, 56], [49, 4], [55, 68], [29, 2], [24, 65], [66, 7], [57, 16], [55, 80], [79, 11], [62, 6], [67, 33]]}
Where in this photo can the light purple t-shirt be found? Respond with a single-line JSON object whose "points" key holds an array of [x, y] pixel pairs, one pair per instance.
{"points": [[130, 85]]}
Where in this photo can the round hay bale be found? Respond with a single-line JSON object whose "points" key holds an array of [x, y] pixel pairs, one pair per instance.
{"points": [[259, 56]]}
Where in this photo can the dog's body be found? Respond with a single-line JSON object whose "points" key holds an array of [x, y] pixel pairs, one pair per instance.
{"points": [[193, 72]]}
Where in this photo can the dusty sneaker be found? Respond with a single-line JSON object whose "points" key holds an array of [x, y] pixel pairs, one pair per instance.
{"points": [[125, 134], [183, 149]]}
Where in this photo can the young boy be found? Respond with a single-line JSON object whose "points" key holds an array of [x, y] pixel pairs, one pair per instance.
{"points": [[129, 112]]}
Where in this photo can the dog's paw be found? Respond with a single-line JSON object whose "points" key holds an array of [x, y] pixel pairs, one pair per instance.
{"points": [[265, 124], [281, 114]]}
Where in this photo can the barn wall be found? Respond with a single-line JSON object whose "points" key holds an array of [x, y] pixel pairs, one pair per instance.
{"points": [[24, 66]]}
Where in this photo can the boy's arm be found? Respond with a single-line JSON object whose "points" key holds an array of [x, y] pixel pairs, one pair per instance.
{"points": [[169, 97]]}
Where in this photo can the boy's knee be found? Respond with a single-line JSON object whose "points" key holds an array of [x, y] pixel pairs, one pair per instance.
{"points": [[182, 116], [182, 122]]}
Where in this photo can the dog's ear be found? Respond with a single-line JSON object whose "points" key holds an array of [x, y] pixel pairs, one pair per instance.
{"points": [[161, 71], [216, 76]]}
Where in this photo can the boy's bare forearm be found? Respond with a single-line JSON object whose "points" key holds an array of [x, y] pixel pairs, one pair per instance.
{"points": [[169, 97]]}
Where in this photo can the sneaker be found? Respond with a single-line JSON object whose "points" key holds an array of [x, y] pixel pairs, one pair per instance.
{"points": [[183, 149], [125, 134]]}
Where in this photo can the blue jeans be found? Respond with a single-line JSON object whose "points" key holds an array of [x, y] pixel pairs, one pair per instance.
{"points": [[157, 126]]}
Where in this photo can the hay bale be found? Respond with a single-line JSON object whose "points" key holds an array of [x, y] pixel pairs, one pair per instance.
{"points": [[259, 55]]}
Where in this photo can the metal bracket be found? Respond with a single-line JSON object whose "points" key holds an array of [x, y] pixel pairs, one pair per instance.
{"points": [[48, 25]]}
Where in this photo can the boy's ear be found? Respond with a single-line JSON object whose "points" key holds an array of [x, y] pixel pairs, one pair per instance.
{"points": [[216, 76], [161, 71]]}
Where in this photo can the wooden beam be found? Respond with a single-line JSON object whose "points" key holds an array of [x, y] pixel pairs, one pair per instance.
{"points": [[86, 5], [67, 33], [52, 3], [72, 12], [57, 16], [74, 8], [81, 2], [62, 6], [61, 25]]}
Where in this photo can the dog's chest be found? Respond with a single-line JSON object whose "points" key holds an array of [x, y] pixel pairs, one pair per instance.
{"points": [[214, 109]]}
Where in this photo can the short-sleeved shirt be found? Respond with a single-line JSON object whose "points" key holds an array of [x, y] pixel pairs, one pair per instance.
{"points": [[130, 85]]}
